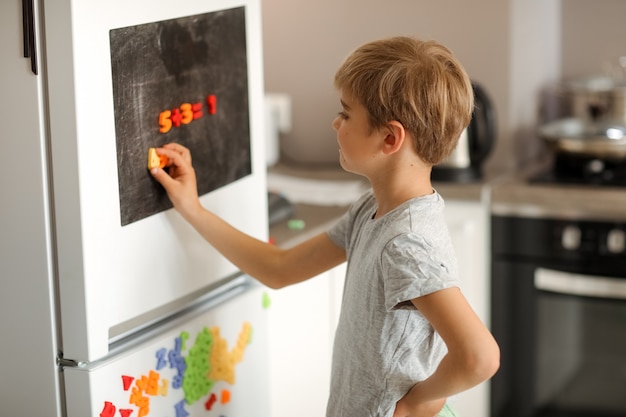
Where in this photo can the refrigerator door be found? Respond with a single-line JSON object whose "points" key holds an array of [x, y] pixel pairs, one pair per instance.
{"points": [[123, 77], [205, 363]]}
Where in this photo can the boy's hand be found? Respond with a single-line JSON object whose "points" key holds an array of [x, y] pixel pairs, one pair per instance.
{"points": [[180, 184]]}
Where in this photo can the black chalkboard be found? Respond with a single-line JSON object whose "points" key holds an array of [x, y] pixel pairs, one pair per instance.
{"points": [[158, 67]]}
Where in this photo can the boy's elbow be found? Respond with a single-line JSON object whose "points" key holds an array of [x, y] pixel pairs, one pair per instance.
{"points": [[273, 281], [490, 366], [485, 362], [274, 284]]}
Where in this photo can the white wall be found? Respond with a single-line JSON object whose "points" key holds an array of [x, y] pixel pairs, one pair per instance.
{"points": [[594, 35], [513, 48], [535, 31], [305, 41]]}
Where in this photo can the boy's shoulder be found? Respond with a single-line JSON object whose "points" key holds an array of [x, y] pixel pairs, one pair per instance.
{"points": [[417, 209], [412, 216]]}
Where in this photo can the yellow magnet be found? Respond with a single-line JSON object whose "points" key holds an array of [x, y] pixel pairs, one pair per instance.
{"points": [[155, 160]]}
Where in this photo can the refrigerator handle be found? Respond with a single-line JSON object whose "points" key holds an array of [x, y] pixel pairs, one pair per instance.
{"points": [[28, 28], [63, 363]]}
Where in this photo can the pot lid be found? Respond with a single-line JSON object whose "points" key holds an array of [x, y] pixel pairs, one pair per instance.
{"points": [[574, 135], [591, 84]]}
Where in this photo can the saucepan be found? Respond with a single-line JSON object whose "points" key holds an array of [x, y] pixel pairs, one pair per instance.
{"points": [[597, 139], [594, 99]]}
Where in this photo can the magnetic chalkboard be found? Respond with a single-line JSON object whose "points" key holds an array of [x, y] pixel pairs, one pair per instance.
{"points": [[183, 80]]}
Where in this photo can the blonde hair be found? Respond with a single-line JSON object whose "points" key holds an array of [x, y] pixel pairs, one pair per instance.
{"points": [[418, 83]]}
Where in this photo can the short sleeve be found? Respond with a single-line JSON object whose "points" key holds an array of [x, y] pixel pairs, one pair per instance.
{"points": [[340, 233], [412, 269]]}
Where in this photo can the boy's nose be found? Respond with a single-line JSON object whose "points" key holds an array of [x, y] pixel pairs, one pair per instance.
{"points": [[335, 123]]}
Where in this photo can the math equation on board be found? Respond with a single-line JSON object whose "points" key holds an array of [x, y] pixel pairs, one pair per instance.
{"points": [[185, 114], [182, 80]]}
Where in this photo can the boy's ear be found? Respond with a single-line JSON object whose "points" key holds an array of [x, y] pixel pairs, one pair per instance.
{"points": [[395, 136]]}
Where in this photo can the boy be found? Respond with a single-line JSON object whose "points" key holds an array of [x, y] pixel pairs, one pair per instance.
{"points": [[407, 338]]}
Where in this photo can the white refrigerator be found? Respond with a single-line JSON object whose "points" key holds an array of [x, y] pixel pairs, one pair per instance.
{"points": [[110, 304]]}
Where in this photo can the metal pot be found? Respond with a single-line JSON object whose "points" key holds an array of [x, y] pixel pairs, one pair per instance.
{"points": [[595, 99], [603, 140]]}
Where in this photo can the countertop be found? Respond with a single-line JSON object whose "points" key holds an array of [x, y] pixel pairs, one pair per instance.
{"points": [[515, 195], [316, 218]]}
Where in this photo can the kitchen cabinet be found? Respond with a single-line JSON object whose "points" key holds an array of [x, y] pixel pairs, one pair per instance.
{"points": [[302, 322], [468, 225], [301, 333]]}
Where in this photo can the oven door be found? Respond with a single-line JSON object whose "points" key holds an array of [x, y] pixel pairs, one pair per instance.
{"points": [[563, 342]]}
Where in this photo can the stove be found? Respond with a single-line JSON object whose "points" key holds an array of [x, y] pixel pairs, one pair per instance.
{"points": [[582, 170], [558, 280]]}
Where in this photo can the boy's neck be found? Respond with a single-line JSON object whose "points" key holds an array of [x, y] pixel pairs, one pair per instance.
{"points": [[397, 186]]}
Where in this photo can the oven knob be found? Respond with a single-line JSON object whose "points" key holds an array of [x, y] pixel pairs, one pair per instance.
{"points": [[616, 241], [570, 239]]}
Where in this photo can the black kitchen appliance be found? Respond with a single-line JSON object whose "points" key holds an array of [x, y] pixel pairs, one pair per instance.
{"points": [[474, 146], [559, 315], [558, 248], [575, 169]]}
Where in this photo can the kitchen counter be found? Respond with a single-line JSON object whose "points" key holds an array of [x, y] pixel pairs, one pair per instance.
{"points": [[316, 218], [515, 195]]}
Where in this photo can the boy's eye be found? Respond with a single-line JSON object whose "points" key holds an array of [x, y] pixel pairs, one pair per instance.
{"points": [[343, 115]]}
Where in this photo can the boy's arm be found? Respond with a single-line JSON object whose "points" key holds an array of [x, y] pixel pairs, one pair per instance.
{"points": [[473, 354], [273, 266]]}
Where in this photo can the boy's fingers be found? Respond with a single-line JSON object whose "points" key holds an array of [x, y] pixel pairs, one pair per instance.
{"points": [[179, 149], [161, 176], [174, 158]]}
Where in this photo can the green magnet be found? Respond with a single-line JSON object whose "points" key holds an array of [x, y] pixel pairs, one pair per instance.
{"points": [[295, 224], [184, 335], [266, 301]]}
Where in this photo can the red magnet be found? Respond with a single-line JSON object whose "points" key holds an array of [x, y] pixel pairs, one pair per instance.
{"points": [[127, 381], [209, 403], [197, 110], [211, 101], [176, 117], [108, 410]]}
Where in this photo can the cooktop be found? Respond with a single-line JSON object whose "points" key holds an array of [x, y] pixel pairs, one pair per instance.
{"points": [[582, 170]]}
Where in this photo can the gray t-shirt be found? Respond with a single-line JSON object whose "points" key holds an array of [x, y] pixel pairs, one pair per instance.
{"points": [[383, 345]]}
